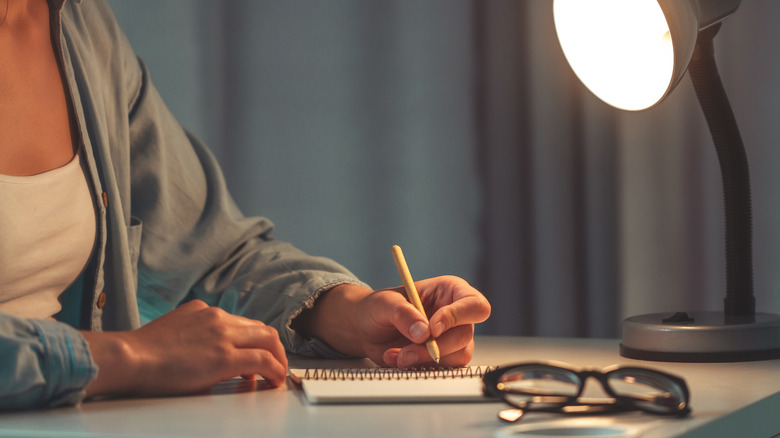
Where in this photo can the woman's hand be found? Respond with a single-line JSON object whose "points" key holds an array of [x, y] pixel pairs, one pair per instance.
{"points": [[389, 330], [187, 350]]}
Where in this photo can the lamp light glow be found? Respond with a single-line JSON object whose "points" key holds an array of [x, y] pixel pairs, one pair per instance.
{"points": [[621, 50]]}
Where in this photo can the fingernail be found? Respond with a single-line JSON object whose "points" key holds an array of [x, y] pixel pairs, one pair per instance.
{"points": [[410, 359], [439, 328], [417, 330]]}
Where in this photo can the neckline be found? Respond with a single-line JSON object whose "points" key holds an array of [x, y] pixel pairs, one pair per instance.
{"points": [[51, 173]]}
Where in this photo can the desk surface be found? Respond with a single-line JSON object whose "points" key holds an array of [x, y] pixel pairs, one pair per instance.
{"points": [[727, 400]]}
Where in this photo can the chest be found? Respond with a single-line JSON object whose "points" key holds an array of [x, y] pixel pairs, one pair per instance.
{"points": [[35, 124]]}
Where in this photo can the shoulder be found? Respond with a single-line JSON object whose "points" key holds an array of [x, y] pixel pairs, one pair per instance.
{"points": [[91, 22], [90, 30], [97, 47]]}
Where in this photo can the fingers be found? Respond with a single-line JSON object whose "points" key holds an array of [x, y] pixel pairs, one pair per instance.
{"points": [[205, 345], [390, 357], [260, 336], [263, 362], [468, 310], [457, 307], [455, 303], [456, 347], [392, 311], [248, 346]]}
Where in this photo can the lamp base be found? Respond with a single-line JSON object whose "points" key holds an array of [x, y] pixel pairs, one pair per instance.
{"points": [[701, 337]]}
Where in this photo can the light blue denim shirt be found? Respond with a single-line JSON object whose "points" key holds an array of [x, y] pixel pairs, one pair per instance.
{"points": [[168, 230]]}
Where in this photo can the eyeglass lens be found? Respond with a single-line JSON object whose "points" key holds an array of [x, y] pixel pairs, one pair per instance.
{"points": [[649, 390], [542, 386]]}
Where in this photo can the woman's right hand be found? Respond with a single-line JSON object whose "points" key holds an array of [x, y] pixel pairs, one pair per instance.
{"points": [[187, 350]]}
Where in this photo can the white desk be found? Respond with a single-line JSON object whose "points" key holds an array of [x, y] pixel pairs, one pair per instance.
{"points": [[733, 399]]}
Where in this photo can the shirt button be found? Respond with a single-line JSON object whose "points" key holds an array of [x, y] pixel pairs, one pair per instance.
{"points": [[101, 300]]}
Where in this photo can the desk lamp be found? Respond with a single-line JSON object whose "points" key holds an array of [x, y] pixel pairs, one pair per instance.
{"points": [[631, 54]]}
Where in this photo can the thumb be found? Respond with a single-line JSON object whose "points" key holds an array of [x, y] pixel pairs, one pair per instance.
{"points": [[395, 311]]}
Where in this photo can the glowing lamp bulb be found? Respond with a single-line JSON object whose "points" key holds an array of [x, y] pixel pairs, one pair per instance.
{"points": [[620, 49]]}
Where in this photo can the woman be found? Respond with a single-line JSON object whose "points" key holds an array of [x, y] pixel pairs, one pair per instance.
{"points": [[111, 213]]}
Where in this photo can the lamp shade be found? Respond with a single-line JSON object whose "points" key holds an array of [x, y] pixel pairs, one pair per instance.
{"points": [[632, 53]]}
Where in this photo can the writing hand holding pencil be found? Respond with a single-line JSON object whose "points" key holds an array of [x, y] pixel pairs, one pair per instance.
{"points": [[392, 331]]}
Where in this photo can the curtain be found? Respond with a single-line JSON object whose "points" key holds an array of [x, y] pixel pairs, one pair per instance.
{"points": [[456, 129], [549, 166], [348, 123]]}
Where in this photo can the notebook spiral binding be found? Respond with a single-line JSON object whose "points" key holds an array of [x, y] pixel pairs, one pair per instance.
{"points": [[395, 373]]}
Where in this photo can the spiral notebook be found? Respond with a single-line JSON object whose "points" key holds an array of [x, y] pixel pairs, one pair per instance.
{"points": [[391, 385]]}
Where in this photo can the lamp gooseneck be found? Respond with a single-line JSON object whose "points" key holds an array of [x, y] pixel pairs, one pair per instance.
{"points": [[740, 303], [738, 333]]}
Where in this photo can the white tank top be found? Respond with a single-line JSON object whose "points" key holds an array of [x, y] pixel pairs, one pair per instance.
{"points": [[47, 230]]}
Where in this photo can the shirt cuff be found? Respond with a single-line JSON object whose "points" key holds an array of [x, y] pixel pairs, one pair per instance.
{"points": [[67, 363], [313, 346]]}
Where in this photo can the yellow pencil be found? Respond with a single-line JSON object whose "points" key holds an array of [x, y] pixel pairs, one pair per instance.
{"points": [[414, 297]]}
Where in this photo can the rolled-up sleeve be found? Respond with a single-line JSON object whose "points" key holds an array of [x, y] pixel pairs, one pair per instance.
{"points": [[43, 364]]}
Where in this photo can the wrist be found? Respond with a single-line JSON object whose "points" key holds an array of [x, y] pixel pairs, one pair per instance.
{"points": [[332, 319], [115, 361]]}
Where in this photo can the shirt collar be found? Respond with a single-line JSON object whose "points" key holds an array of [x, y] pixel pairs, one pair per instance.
{"points": [[56, 5]]}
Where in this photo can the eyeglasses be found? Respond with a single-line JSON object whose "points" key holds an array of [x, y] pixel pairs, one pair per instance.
{"points": [[554, 387]]}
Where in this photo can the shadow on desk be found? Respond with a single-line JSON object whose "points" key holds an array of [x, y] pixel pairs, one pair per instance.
{"points": [[238, 385]]}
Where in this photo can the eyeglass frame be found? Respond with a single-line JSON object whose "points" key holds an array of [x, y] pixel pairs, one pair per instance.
{"points": [[619, 403]]}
